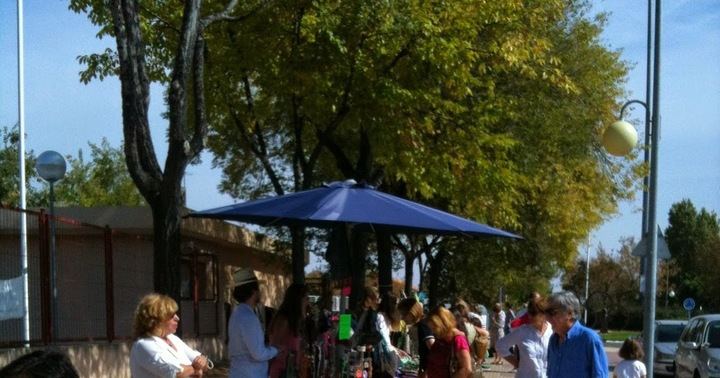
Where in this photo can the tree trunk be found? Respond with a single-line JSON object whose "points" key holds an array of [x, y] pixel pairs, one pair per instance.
{"points": [[338, 253], [384, 251], [298, 254], [434, 277], [358, 266], [166, 242], [409, 272], [421, 278]]}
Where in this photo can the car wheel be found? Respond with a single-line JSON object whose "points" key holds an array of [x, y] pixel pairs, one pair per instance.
{"points": [[675, 370]]}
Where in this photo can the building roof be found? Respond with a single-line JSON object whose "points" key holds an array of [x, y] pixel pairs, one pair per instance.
{"points": [[138, 220]]}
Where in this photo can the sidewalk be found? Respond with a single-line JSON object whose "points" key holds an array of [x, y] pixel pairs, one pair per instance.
{"points": [[499, 371], [496, 371]]}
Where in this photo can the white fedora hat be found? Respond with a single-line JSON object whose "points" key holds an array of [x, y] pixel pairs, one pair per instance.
{"points": [[243, 276]]}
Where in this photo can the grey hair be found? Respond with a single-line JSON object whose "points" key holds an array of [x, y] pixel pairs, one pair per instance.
{"points": [[567, 301]]}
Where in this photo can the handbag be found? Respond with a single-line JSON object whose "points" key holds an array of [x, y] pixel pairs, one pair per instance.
{"points": [[290, 371], [368, 333], [388, 360], [476, 372]]}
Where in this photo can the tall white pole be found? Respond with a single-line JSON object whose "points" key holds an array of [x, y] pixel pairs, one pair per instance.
{"points": [[651, 271], [587, 280], [21, 174]]}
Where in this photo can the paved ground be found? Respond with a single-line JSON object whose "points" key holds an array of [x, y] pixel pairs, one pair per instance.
{"points": [[496, 371]]}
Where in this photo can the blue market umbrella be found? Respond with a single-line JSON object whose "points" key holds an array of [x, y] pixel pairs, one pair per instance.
{"points": [[361, 206]]}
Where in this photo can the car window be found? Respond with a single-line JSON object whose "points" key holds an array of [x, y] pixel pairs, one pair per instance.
{"points": [[688, 331], [668, 333], [713, 337], [697, 331]]}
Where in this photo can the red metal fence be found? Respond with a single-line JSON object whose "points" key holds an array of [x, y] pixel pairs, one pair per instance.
{"points": [[95, 295]]}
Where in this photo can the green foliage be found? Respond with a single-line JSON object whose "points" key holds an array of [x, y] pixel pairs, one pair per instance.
{"points": [[160, 28], [554, 183], [458, 102], [102, 181], [491, 110], [620, 336], [694, 241], [476, 269], [614, 285], [9, 190]]}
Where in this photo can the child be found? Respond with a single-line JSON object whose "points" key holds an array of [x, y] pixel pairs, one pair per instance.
{"points": [[630, 366]]}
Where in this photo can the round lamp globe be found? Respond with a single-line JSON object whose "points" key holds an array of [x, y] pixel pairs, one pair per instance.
{"points": [[620, 138]]}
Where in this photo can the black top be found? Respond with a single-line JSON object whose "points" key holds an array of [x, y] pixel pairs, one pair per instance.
{"points": [[424, 333]]}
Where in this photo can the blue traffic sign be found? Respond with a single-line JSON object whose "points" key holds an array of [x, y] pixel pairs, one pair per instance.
{"points": [[689, 304]]}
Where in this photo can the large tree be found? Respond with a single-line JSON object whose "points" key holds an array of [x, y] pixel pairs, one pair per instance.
{"points": [[614, 285], [693, 238], [487, 109], [158, 41], [492, 109]]}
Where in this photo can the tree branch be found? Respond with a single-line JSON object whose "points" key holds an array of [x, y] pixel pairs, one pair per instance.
{"points": [[225, 14], [257, 146], [159, 18], [177, 96], [139, 151], [201, 126], [404, 51]]}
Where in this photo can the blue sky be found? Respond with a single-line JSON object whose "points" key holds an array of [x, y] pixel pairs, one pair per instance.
{"points": [[64, 115]]}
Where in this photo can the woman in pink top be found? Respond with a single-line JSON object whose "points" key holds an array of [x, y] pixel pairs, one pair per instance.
{"points": [[449, 341], [286, 330]]}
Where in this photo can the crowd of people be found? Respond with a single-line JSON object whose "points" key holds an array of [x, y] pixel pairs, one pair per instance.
{"points": [[457, 340], [546, 340]]}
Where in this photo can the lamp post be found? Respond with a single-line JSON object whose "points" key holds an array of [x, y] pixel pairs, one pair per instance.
{"points": [[669, 294], [51, 167], [617, 139], [587, 281]]}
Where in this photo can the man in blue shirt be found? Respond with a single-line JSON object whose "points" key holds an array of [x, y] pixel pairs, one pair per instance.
{"points": [[575, 351]]}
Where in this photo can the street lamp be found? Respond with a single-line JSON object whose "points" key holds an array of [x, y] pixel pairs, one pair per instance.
{"points": [[669, 295], [51, 167], [616, 142]]}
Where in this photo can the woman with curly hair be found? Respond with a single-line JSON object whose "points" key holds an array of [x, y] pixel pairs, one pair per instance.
{"points": [[157, 352]]}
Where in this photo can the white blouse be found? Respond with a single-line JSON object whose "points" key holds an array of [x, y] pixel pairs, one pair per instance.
{"points": [[630, 369], [152, 357], [533, 348]]}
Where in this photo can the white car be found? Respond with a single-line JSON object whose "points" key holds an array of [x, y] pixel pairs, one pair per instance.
{"points": [[667, 334], [698, 352]]}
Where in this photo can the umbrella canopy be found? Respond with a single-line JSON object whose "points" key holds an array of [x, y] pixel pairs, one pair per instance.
{"points": [[347, 202]]}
